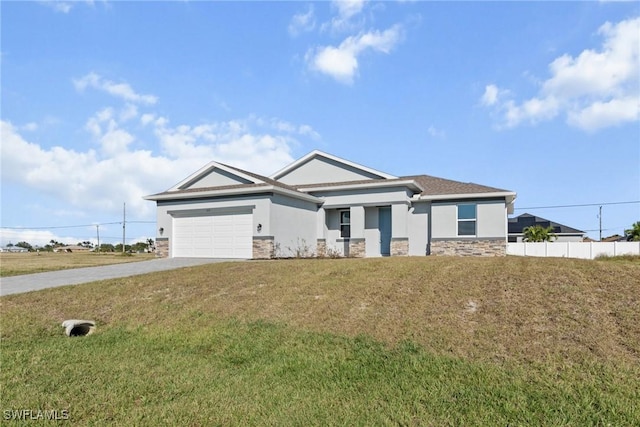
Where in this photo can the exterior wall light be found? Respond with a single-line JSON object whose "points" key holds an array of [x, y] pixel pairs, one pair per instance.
{"points": [[259, 228], [161, 230]]}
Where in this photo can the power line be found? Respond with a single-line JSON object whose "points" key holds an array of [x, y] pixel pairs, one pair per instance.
{"points": [[74, 226], [581, 205]]}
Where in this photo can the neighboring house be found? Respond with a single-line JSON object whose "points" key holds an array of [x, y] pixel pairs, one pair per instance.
{"points": [[13, 249], [562, 232], [614, 238], [324, 205]]}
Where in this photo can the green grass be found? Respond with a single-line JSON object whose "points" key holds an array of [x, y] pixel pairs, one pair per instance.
{"points": [[621, 258], [235, 373], [327, 342]]}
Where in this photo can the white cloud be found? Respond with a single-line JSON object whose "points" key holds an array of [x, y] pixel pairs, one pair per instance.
{"points": [[119, 90], [302, 22], [256, 144], [31, 127], [119, 167], [119, 171], [147, 118], [347, 10], [490, 96], [341, 62], [596, 89], [65, 6], [533, 110], [605, 114], [58, 6], [33, 237], [129, 112]]}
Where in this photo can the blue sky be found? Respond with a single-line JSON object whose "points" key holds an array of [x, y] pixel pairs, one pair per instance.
{"points": [[104, 102]]}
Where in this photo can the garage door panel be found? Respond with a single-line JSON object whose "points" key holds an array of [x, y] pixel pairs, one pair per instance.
{"points": [[217, 236]]}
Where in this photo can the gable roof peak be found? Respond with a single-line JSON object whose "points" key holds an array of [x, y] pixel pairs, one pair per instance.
{"points": [[318, 154], [211, 166]]}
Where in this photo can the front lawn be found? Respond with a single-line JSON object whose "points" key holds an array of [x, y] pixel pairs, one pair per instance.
{"points": [[410, 341]]}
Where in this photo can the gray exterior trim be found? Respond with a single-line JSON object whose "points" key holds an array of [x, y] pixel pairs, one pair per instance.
{"points": [[212, 211]]}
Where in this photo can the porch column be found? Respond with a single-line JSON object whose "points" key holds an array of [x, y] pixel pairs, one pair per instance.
{"points": [[356, 241], [321, 236], [399, 230]]}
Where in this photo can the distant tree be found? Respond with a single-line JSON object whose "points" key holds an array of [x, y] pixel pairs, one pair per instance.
{"points": [[25, 245], [538, 233], [139, 246], [107, 247], [9, 245], [55, 243], [633, 234], [118, 248]]}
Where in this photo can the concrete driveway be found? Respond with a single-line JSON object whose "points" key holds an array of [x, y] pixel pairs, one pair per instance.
{"points": [[52, 279]]}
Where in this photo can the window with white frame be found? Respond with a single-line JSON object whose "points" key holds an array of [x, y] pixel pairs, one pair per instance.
{"points": [[467, 219], [345, 224]]}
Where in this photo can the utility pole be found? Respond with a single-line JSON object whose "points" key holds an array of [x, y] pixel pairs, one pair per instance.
{"points": [[98, 235], [600, 216], [124, 224]]}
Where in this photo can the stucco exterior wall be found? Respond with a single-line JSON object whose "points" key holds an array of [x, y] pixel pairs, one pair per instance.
{"points": [[371, 232], [368, 198], [418, 225], [323, 170], [216, 178], [334, 243], [490, 219], [293, 225]]}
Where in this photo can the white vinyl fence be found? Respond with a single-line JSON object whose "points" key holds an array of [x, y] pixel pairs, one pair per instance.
{"points": [[585, 250]]}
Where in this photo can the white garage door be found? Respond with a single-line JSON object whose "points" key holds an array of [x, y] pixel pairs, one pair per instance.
{"points": [[224, 235]]}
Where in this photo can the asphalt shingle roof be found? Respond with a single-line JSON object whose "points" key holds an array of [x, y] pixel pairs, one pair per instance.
{"points": [[434, 186], [519, 223]]}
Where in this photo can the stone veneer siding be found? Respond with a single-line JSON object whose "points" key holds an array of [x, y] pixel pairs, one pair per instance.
{"points": [[321, 248], [263, 247], [162, 247], [483, 247], [357, 248], [399, 246]]}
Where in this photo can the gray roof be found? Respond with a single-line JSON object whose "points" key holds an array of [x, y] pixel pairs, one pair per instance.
{"points": [[267, 182], [432, 186], [519, 223]]}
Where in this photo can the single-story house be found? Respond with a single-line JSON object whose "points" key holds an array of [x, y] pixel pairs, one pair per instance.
{"points": [[327, 206], [563, 233], [13, 249]]}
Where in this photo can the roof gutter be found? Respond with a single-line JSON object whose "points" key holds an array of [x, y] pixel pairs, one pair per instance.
{"points": [[233, 192], [509, 196], [375, 184]]}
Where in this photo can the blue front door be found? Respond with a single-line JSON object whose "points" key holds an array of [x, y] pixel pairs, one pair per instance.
{"points": [[384, 224]]}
